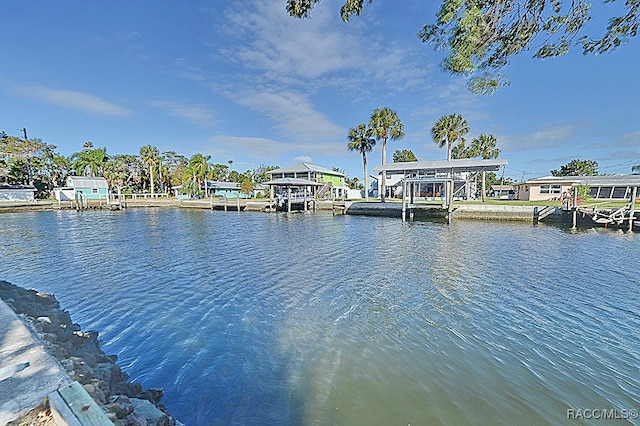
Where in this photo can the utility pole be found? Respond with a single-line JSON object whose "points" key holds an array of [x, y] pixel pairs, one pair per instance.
{"points": [[26, 139]]}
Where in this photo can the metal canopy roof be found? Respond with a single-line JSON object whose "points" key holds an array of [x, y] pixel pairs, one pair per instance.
{"points": [[292, 182], [304, 168], [464, 165]]}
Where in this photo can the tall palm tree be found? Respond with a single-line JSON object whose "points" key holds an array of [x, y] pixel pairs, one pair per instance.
{"points": [[384, 124], [359, 140], [449, 129], [484, 146], [150, 155]]}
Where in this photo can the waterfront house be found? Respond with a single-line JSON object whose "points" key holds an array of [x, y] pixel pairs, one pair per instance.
{"points": [[614, 187], [333, 182], [429, 179], [17, 193], [224, 189], [85, 187]]}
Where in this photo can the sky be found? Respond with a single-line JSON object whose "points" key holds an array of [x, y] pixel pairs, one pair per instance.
{"points": [[243, 81]]}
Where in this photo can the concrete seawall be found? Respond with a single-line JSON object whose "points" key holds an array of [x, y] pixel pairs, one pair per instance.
{"points": [[460, 212]]}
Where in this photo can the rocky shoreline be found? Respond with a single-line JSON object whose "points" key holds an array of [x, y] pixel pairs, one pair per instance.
{"points": [[126, 403]]}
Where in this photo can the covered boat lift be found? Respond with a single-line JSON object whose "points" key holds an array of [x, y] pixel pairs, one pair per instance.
{"points": [[437, 172], [294, 197]]}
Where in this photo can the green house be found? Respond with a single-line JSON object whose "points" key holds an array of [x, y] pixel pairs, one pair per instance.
{"points": [[333, 181], [91, 188]]}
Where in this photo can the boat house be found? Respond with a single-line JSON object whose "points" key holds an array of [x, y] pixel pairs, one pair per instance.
{"points": [[85, 187], [429, 179], [332, 182]]}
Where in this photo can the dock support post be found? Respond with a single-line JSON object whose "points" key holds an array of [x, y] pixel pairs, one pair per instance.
{"points": [[238, 202], [288, 199], [634, 195], [226, 202], [574, 221], [450, 201], [404, 201], [305, 199]]}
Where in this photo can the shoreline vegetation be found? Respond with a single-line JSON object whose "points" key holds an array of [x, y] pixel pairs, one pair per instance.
{"points": [[125, 402]]}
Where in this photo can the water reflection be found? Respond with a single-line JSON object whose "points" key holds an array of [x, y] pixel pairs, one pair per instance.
{"points": [[297, 319]]}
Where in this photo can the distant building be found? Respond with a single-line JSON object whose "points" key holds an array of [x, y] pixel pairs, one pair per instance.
{"points": [[504, 192], [17, 193], [615, 187], [224, 189], [334, 182], [86, 187]]}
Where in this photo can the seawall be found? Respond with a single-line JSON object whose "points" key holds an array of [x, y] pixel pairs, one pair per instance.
{"points": [[79, 354]]}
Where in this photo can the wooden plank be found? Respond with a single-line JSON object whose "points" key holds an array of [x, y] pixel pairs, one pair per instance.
{"points": [[61, 413], [83, 406]]}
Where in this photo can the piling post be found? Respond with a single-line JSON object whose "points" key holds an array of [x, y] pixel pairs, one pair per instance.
{"points": [[238, 202], [634, 194], [288, 199], [450, 202], [404, 200], [226, 202]]}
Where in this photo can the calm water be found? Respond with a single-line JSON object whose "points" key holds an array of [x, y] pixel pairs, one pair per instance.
{"points": [[313, 319]]}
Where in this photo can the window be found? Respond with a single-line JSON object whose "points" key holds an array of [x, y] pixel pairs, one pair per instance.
{"points": [[94, 190], [550, 189]]}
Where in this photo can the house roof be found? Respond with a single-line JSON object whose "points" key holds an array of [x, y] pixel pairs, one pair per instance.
{"points": [[304, 168], [602, 180], [462, 165], [18, 187], [214, 184], [87, 182]]}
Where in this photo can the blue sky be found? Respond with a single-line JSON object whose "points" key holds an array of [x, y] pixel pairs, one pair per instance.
{"points": [[243, 81]]}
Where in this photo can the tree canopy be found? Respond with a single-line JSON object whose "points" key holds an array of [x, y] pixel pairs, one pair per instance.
{"points": [[448, 130], [481, 37], [577, 168], [404, 156]]}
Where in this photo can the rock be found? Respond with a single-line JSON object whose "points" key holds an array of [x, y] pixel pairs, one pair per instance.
{"points": [[154, 416], [94, 389], [120, 405], [133, 419], [152, 395], [126, 388], [78, 369]]}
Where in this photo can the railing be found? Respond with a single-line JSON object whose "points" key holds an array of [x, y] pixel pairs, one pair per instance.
{"points": [[143, 196]]}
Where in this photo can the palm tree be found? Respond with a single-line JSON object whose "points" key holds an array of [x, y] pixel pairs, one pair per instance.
{"points": [[448, 130], [150, 155], [199, 167], [359, 140], [484, 146], [89, 162], [384, 124]]}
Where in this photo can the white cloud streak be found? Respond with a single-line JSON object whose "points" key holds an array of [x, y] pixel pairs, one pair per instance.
{"points": [[71, 99], [197, 114]]}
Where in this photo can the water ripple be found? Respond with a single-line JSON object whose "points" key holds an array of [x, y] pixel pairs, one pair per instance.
{"points": [[313, 319]]}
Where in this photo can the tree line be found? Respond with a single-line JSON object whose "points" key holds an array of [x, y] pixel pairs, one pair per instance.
{"points": [[448, 131], [34, 162]]}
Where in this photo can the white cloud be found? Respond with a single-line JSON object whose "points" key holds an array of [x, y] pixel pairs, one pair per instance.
{"points": [[269, 150], [293, 113], [71, 99], [195, 113], [304, 159]]}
